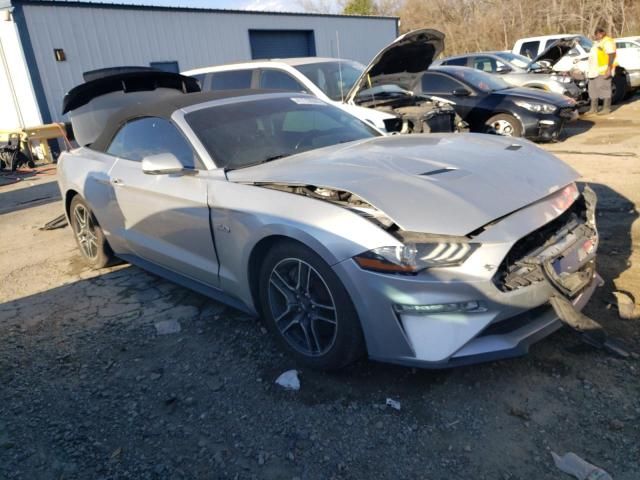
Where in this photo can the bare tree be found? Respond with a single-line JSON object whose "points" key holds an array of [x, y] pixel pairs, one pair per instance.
{"points": [[497, 24]]}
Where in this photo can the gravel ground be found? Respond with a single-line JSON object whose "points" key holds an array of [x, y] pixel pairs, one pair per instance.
{"points": [[90, 390]]}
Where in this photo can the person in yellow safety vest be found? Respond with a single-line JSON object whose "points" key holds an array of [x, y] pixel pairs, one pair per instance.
{"points": [[602, 64]]}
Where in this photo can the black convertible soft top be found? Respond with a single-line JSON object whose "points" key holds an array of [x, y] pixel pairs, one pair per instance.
{"points": [[111, 96], [163, 108]]}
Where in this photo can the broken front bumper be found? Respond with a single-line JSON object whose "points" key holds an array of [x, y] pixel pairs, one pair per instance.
{"points": [[513, 309]]}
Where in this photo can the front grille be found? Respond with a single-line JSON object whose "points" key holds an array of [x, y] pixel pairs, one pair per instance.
{"points": [[513, 273]]}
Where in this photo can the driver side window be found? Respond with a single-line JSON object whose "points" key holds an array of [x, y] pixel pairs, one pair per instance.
{"points": [[439, 84], [146, 136], [486, 64]]}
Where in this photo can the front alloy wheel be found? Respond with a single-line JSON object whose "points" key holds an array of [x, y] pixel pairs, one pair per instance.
{"points": [[302, 307], [306, 306], [504, 124]]}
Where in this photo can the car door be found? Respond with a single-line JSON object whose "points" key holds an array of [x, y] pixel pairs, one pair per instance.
{"points": [[441, 85], [165, 217]]}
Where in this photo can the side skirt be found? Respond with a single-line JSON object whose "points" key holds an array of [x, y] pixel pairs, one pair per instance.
{"points": [[187, 282]]}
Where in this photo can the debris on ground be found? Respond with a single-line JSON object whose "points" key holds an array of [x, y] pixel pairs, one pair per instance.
{"points": [[289, 380], [520, 413], [626, 305], [167, 327], [393, 404], [581, 469], [59, 222]]}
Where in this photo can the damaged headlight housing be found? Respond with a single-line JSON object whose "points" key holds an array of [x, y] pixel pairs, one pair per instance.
{"points": [[562, 78], [411, 258], [536, 107]]}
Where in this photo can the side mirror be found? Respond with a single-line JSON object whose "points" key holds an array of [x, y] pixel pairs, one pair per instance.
{"points": [[164, 164], [461, 92], [504, 69]]}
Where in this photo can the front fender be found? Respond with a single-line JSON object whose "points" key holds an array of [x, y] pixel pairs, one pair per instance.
{"points": [[243, 215]]}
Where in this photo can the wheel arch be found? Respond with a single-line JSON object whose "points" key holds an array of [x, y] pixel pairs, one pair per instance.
{"points": [[260, 249], [68, 198]]}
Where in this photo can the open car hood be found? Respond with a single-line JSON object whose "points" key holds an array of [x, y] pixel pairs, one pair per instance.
{"points": [[444, 184], [556, 51], [91, 104], [402, 61]]}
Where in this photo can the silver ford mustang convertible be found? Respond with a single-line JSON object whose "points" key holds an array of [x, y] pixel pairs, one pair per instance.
{"points": [[427, 250]]}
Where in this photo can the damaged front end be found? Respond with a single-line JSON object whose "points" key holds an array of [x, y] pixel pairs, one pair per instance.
{"points": [[563, 254], [385, 85], [342, 198], [417, 114]]}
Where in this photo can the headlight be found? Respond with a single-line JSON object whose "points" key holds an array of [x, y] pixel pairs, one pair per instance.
{"points": [[562, 78], [536, 107], [414, 257]]}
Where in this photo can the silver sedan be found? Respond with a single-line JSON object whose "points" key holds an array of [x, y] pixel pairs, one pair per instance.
{"points": [[427, 250]]}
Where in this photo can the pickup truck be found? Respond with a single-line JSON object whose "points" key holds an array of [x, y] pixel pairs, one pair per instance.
{"points": [[576, 57]]}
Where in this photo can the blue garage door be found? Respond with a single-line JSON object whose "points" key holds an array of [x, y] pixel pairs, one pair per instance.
{"points": [[282, 43]]}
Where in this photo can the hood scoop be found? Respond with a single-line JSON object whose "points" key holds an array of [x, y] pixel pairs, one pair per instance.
{"points": [[438, 172]]}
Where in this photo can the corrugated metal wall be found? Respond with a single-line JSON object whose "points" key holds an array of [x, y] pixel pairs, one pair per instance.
{"points": [[96, 37]]}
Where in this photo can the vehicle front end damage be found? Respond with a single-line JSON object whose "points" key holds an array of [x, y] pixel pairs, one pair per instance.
{"points": [[467, 251], [385, 85], [574, 80], [418, 114], [500, 299], [548, 127]]}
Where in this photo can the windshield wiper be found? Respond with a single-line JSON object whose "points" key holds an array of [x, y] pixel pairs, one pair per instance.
{"points": [[268, 159], [274, 157]]}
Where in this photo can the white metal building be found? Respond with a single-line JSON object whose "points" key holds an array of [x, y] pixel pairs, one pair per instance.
{"points": [[46, 45]]}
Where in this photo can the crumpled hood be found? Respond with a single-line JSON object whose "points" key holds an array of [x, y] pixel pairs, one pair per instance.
{"points": [[403, 60], [556, 51], [449, 184]]}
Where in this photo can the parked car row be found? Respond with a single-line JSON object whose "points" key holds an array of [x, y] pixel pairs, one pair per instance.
{"points": [[402, 84]]}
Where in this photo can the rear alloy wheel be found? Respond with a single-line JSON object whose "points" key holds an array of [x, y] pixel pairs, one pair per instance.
{"points": [[504, 124], [94, 248], [308, 309]]}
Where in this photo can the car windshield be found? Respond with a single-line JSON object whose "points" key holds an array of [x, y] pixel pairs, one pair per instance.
{"points": [[481, 80], [335, 79], [585, 43], [519, 61], [250, 132]]}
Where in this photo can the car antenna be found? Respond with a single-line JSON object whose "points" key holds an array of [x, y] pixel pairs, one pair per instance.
{"points": [[340, 66]]}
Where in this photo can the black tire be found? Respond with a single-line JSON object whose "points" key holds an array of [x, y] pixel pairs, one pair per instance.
{"points": [[618, 88], [514, 127], [306, 332], [94, 241]]}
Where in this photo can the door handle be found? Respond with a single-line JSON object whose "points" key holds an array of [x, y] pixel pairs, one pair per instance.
{"points": [[117, 181]]}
